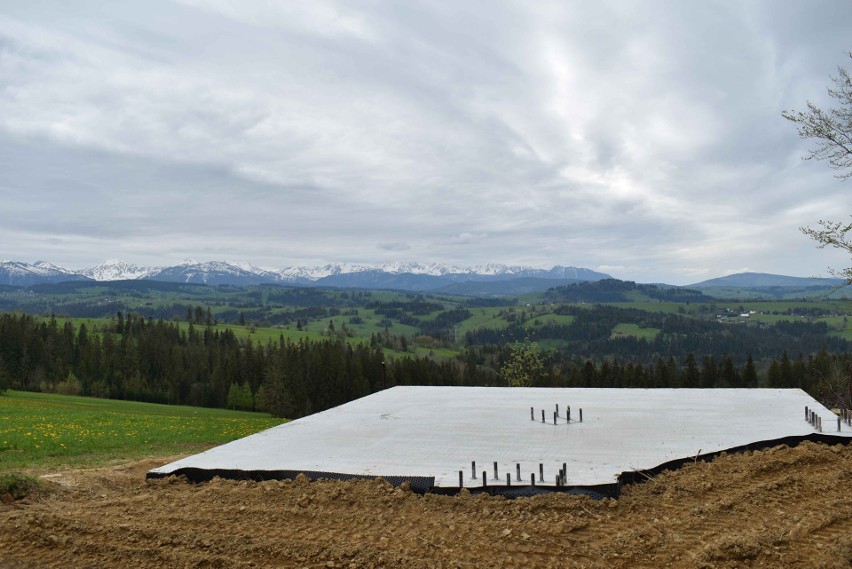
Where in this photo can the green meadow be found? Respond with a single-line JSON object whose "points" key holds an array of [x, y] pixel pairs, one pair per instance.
{"points": [[635, 330], [39, 431]]}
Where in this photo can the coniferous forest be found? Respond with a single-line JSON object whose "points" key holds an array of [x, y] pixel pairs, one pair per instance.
{"points": [[160, 361]]}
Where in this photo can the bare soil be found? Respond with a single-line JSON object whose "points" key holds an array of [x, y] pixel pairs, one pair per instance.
{"points": [[784, 507]]}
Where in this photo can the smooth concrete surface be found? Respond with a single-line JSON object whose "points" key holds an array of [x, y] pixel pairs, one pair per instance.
{"points": [[437, 431]]}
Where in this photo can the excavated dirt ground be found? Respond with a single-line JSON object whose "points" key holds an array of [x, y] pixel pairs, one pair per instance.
{"points": [[785, 507]]}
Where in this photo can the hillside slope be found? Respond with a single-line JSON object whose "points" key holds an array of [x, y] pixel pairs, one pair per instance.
{"points": [[784, 507]]}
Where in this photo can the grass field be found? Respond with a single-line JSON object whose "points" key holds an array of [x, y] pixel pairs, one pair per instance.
{"points": [[39, 431], [625, 329], [483, 318], [655, 306], [550, 318]]}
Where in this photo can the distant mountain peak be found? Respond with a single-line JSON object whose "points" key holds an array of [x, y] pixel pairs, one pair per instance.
{"points": [[764, 280], [117, 270], [18, 273], [403, 275]]}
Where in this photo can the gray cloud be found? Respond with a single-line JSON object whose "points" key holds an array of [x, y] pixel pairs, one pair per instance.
{"points": [[394, 246], [642, 135]]}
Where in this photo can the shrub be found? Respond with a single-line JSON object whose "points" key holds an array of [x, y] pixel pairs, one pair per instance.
{"points": [[18, 485], [69, 386]]}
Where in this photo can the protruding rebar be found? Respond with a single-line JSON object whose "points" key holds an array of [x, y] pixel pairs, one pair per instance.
{"points": [[581, 414], [542, 415], [496, 477], [473, 469], [518, 472], [541, 471], [508, 479], [461, 479]]}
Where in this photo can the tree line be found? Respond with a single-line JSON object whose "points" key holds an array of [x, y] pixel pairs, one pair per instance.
{"points": [[590, 336], [159, 361]]}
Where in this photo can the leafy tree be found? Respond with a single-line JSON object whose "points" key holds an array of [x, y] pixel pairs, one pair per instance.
{"points": [[69, 386], [524, 366], [831, 129], [834, 388], [240, 397]]}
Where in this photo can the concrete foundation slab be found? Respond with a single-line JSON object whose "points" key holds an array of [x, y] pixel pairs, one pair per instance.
{"points": [[436, 432]]}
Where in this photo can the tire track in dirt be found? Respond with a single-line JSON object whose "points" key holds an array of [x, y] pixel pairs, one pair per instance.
{"points": [[697, 507], [784, 507]]}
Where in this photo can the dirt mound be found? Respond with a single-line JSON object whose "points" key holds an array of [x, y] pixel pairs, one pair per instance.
{"points": [[785, 507]]}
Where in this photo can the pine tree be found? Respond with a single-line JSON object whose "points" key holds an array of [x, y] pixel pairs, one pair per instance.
{"points": [[5, 377], [730, 377], [708, 372], [691, 375], [750, 373], [773, 374], [261, 401], [786, 371]]}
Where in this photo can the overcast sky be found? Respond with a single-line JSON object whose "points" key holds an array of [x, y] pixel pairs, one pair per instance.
{"points": [[642, 139]]}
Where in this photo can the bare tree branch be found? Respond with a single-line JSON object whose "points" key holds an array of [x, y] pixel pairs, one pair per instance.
{"points": [[830, 129], [831, 132]]}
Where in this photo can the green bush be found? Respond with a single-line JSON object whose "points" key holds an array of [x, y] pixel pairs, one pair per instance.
{"points": [[18, 485], [69, 386]]}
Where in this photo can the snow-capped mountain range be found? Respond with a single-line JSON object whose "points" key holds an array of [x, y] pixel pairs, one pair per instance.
{"points": [[18, 273], [402, 275], [117, 270]]}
